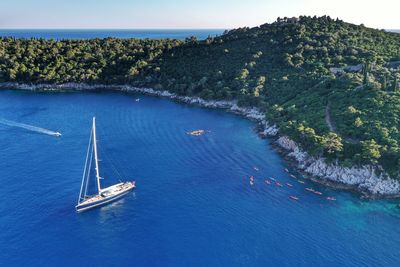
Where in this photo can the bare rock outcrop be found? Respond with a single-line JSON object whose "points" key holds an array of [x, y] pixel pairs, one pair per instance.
{"points": [[365, 178]]}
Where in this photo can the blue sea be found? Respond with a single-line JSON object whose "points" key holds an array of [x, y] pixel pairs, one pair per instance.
{"points": [[193, 205], [60, 34]]}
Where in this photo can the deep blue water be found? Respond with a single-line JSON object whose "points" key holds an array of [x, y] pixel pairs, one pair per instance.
{"points": [[98, 33], [193, 205]]}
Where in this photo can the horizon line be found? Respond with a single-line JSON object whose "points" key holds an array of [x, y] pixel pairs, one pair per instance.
{"points": [[78, 28]]}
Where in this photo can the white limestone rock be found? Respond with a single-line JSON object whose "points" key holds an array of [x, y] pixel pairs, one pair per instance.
{"points": [[364, 177]]}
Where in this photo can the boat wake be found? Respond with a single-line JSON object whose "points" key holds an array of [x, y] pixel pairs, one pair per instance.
{"points": [[29, 127]]}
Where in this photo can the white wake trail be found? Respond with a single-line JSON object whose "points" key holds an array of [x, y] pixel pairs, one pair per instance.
{"points": [[29, 127]]}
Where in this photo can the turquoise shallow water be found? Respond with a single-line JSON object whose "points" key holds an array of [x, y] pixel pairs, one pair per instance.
{"points": [[193, 205]]}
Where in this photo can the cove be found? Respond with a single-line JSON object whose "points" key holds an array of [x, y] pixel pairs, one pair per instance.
{"points": [[193, 204]]}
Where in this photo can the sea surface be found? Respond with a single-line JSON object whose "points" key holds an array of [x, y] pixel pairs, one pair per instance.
{"points": [[193, 205], [60, 34]]}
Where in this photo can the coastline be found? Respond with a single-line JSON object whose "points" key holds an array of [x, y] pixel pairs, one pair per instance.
{"points": [[366, 179]]}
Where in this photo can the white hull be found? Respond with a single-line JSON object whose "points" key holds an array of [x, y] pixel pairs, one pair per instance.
{"points": [[108, 195]]}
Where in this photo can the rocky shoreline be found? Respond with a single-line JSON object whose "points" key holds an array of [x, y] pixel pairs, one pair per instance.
{"points": [[364, 179]]}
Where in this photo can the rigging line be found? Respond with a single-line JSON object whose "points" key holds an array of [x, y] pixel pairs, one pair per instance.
{"points": [[111, 161], [113, 165], [88, 174], [84, 170]]}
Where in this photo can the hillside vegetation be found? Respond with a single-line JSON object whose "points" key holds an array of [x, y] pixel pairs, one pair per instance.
{"points": [[330, 85]]}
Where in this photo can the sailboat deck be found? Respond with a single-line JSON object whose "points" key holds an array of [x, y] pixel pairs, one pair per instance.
{"points": [[109, 192]]}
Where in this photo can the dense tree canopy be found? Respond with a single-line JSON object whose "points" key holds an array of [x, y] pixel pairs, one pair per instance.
{"points": [[297, 70], [97, 60]]}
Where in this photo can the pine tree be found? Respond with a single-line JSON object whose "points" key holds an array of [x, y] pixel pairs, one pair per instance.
{"points": [[384, 81], [365, 73]]}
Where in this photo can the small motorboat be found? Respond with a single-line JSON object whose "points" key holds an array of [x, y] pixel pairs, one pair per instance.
{"points": [[137, 99], [196, 132], [331, 198], [294, 197], [294, 177], [301, 182], [290, 185], [57, 134], [267, 181], [309, 189], [286, 170], [272, 179], [278, 184], [317, 193], [256, 169]]}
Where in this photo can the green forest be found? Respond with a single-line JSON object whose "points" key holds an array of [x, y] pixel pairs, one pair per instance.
{"points": [[331, 86]]}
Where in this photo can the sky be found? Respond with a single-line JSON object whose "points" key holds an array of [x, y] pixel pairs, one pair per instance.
{"points": [[216, 14]]}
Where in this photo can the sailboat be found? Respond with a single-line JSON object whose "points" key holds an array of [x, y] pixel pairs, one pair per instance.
{"points": [[103, 195]]}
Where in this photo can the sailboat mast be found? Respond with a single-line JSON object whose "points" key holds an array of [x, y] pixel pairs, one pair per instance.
{"points": [[95, 155], [86, 170]]}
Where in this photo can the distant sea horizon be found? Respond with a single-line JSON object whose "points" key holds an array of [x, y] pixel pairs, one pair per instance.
{"points": [[78, 34]]}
